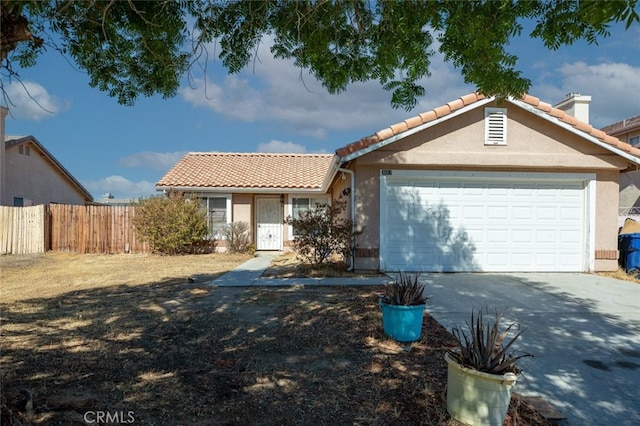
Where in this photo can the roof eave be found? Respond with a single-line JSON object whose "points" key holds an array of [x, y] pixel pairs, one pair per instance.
{"points": [[421, 127], [629, 157], [227, 190]]}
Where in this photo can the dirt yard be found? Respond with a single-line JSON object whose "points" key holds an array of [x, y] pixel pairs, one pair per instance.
{"points": [[146, 340]]}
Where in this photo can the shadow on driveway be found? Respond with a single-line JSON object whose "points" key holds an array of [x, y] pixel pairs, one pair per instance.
{"points": [[583, 330]]}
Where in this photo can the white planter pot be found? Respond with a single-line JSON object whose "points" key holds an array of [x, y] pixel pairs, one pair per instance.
{"points": [[477, 398]]}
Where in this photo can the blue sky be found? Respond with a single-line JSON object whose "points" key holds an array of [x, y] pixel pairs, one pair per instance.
{"points": [[274, 107]]}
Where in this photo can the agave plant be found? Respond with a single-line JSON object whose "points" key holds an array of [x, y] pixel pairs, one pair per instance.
{"points": [[485, 349], [406, 290]]}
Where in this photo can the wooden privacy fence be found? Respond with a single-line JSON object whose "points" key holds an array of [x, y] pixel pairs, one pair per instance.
{"points": [[23, 229], [61, 227], [94, 229]]}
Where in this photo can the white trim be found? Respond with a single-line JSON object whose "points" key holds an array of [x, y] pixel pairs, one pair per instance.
{"points": [[589, 180], [477, 104], [264, 191], [590, 202], [499, 176], [570, 128], [414, 130]]}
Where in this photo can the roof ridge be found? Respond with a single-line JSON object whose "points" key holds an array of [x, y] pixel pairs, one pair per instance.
{"points": [[254, 154], [463, 101]]}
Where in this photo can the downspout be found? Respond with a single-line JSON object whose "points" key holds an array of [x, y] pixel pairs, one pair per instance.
{"points": [[352, 209]]}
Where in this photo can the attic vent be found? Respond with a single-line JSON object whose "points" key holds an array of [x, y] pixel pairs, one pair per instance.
{"points": [[495, 126]]}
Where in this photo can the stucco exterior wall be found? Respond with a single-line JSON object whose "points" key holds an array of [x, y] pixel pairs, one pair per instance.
{"points": [[606, 226], [533, 145], [242, 208], [33, 177]]}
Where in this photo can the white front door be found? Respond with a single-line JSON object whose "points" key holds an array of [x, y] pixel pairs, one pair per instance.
{"points": [[269, 224]]}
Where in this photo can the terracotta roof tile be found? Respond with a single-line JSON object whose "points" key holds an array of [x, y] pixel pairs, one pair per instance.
{"points": [[585, 127], [611, 140], [428, 116], [543, 106], [455, 105], [384, 133], [442, 110], [469, 99], [571, 120], [248, 170], [413, 122], [531, 100], [399, 127]]}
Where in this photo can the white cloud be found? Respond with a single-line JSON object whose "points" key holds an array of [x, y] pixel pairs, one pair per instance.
{"points": [[283, 147], [276, 90], [611, 86], [159, 161], [276, 146], [120, 187], [31, 101]]}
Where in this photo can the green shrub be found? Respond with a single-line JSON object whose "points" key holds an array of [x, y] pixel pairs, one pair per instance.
{"points": [[171, 224], [323, 231], [238, 236]]}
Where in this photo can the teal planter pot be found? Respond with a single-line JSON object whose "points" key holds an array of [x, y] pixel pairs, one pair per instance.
{"points": [[402, 323]]}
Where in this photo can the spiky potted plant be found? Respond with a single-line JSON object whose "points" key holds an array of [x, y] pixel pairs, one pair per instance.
{"points": [[482, 371], [403, 305]]}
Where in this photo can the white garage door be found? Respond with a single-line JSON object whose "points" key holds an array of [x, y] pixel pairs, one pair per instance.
{"points": [[474, 221]]}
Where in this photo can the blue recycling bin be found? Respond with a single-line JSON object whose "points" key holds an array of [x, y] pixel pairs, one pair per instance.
{"points": [[629, 246]]}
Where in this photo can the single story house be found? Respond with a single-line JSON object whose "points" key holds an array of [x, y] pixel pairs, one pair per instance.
{"points": [[478, 184]]}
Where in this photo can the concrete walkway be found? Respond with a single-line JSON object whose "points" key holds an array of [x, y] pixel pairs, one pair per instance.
{"points": [[250, 273]]}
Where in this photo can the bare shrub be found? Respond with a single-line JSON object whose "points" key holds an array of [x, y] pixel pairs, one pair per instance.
{"points": [[238, 236]]}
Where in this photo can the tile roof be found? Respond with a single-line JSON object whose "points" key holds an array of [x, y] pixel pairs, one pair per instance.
{"points": [[248, 170], [623, 126], [453, 106]]}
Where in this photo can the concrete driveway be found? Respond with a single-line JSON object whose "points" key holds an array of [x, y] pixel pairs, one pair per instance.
{"points": [[584, 331]]}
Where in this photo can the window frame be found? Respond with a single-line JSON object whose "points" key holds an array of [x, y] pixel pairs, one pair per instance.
{"points": [[214, 233], [290, 211]]}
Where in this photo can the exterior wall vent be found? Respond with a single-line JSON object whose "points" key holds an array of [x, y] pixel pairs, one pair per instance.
{"points": [[495, 126]]}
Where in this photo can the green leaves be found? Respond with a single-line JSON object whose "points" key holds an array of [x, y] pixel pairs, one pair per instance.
{"points": [[322, 231], [144, 47], [171, 223]]}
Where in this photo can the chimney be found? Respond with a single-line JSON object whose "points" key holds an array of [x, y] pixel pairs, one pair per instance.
{"points": [[576, 105]]}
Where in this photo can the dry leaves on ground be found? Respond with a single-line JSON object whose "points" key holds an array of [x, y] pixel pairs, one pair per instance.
{"points": [[171, 351]]}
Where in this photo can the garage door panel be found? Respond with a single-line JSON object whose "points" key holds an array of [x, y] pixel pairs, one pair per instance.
{"points": [[484, 225]]}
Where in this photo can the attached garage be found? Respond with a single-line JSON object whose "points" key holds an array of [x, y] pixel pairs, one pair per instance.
{"points": [[444, 221]]}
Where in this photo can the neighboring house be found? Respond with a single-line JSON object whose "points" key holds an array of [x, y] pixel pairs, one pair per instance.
{"points": [[628, 131], [31, 175], [477, 184]]}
